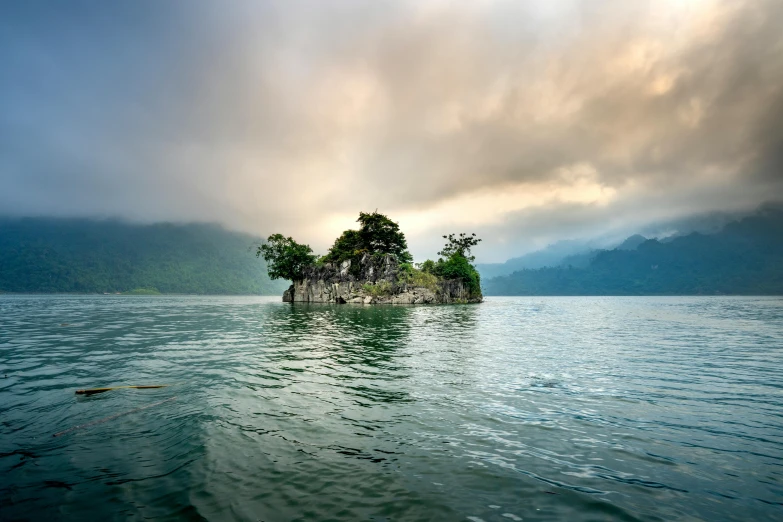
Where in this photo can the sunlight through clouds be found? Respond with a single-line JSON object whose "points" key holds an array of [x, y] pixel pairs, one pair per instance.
{"points": [[532, 121]]}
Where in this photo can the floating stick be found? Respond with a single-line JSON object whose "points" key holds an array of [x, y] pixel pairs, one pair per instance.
{"points": [[90, 391], [112, 417]]}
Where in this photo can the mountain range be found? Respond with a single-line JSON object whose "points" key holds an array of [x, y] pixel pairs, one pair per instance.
{"points": [[106, 256], [48, 255], [744, 257]]}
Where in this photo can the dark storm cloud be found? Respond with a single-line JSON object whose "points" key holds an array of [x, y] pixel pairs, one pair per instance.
{"points": [[525, 121]]}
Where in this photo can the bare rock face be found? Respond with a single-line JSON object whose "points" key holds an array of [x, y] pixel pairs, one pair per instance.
{"points": [[374, 280]]}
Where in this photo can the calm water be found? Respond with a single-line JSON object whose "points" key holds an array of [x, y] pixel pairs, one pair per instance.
{"points": [[519, 408]]}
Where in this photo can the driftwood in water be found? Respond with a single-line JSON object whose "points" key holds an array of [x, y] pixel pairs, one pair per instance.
{"points": [[90, 391]]}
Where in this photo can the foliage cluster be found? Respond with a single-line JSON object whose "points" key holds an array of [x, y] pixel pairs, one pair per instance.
{"points": [[286, 258], [457, 266], [97, 256], [457, 262], [377, 234], [428, 266], [378, 289], [347, 246], [459, 245], [417, 277]]}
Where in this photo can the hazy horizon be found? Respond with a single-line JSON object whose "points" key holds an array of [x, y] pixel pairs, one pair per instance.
{"points": [[525, 122], [708, 223]]}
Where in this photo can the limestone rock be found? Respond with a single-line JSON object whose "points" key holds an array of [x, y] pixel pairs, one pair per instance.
{"points": [[353, 283]]}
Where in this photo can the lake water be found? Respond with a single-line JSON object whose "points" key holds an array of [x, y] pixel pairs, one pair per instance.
{"points": [[537, 408]]}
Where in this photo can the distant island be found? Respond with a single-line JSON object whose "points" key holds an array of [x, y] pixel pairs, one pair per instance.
{"points": [[372, 265]]}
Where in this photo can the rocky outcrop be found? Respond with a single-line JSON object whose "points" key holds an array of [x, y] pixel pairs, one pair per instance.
{"points": [[373, 280]]}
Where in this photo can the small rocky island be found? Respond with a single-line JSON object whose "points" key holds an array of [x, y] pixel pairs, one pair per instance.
{"points": [[372, 265]]}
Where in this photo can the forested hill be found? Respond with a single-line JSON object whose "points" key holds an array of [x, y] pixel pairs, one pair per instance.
{"points": [[745, 258], [79, 255]]}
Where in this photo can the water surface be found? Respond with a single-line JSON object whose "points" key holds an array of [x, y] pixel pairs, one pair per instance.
{"points": [[590, 408]]}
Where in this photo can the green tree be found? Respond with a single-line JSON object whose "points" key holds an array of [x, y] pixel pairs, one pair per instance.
{"points": [[381, 235], [458, 267], [377, 235], [348, 245], [428, 267], [460, 245], [286, 259], [457, 264]]}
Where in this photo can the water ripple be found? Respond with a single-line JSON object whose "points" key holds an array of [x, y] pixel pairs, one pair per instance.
{"points": [[516, 409]]}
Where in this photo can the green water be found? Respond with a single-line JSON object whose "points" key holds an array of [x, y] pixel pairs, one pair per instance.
{"points": [[518, 408]]}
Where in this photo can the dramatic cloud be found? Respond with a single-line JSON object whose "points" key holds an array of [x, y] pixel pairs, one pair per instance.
{"points": [[524, 121]]}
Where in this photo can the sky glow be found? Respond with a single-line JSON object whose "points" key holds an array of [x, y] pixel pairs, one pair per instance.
{"points": [[526, 122]]}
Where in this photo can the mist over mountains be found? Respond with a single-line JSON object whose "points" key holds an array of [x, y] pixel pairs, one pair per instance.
{"points": [[578, 252], [50, 255], [95, 256], [744, 257]]}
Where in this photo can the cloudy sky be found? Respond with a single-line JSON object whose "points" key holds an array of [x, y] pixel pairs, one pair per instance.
{"points": [[524, 121]]}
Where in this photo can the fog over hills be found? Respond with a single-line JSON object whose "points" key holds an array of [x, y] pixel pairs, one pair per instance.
{"points": [[97, 256], [579, 252], [88, 256], [744, 257]]}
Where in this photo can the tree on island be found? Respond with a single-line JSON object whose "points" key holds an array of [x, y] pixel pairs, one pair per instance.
{"points": [[377, 235], [460, 245], [457, 262], [286, 259], [347, 246]]}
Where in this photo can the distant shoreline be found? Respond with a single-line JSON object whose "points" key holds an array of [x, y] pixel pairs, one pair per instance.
{"points": [[21, 294], [120, 294]]}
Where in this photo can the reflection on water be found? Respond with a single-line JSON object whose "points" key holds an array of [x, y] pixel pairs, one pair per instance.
{"points": [[530, 408]]}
